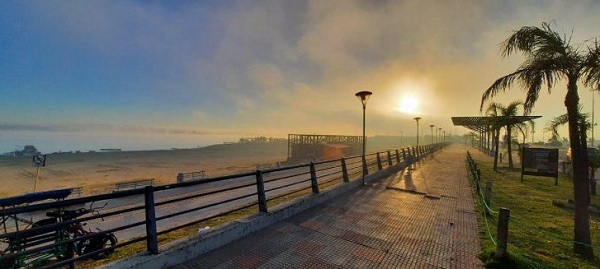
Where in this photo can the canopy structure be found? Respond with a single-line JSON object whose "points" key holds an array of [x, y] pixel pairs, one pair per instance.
{"points": [[483, 125]]}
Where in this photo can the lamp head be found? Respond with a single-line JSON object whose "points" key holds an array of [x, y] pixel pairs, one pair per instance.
{"points": [[431, 126], [417, 119], [363, 96]]}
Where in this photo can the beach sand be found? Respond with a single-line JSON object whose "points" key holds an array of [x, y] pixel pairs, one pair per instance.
{"points": [[97, 172]]}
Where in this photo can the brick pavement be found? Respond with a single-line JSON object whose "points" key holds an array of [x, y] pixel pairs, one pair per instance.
{"points": [[418, 218]]}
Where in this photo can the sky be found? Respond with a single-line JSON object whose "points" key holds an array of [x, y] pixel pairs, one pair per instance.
{"points": [[85, 75]]}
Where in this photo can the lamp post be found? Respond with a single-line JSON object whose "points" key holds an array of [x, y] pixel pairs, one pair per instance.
{"points": [[417, 120], [593, 124], [438, 134], [400, 138], [363, 96], [431, 126]]}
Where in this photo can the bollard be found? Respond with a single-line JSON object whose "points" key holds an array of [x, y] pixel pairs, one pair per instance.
{"points": [[502, 233], [488, 193]]}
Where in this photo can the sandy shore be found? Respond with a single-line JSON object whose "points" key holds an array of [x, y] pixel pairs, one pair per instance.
{"points": [[97, 172]]}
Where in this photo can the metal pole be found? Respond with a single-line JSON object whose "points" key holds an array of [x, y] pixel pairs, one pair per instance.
{"points": [[593, 118], [364, 140], [431, 133]]}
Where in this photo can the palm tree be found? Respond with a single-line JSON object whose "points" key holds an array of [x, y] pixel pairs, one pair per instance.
{"points": [[508, 112], [549, 57], [502, 117], [594, 161], [493, 111]]}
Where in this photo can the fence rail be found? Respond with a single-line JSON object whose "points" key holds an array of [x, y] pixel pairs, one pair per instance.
{"points": [[138, 215]]}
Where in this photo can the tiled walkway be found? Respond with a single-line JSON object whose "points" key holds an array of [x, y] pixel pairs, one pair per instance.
{"points": [[423, 218]]}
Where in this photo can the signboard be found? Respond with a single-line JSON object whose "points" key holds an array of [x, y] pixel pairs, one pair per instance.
{"points": [[39, 160], [540, 162]]}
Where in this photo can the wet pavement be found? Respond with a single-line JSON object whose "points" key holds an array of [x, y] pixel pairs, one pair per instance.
{"points": [[422, 217]]}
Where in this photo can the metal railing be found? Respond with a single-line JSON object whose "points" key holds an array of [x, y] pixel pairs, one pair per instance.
{"points": [[142, 215]]}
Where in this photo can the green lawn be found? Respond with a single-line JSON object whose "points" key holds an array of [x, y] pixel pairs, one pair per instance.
{"points": [[540, 234]]}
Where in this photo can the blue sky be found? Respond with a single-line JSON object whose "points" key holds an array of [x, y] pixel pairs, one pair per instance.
{"points": [[160, 74]]}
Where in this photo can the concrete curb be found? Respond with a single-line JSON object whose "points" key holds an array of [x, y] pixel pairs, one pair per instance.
{"points": [[187, 248]]}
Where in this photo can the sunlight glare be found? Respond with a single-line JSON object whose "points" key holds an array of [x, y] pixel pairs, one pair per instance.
{"points": [[409, 105]]}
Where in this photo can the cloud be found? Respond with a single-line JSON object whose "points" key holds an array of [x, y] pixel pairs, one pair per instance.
{"points": [[278, 67], [102, 128]]}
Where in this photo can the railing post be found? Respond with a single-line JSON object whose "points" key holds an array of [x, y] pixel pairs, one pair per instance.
{"points": [[478, 178], [151, 234], [502, 232], [389, 158], [404, 157], [488, 192], [180, 178], [345, 171], [313, 178], [397, 156], [379, 165], [260, 191], [364, 165]]}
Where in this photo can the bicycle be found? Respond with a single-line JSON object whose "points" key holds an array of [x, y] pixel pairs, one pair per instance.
{"points": [[95, 240]]}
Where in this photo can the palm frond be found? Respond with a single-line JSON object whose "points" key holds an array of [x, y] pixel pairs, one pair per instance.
{"points": [[500, 84], [534, 40], [591, 66]]}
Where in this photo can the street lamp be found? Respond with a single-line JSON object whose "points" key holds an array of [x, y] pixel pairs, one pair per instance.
{"points": [[363, 96], [417, 120], [438, 134], [431, 132], [400, 138]]}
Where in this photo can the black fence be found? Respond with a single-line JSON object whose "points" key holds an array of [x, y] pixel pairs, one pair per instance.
{"points": [[44, 234]]}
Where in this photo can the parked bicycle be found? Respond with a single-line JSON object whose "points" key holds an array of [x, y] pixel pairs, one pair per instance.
{"points": [[94, 241], [28, 243]]}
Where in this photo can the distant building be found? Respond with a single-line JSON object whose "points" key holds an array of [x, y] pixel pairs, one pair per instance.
{"points": [[28, 150]]}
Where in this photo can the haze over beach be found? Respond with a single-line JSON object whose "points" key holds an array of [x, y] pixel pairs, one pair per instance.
{"points": [[83, 75]]}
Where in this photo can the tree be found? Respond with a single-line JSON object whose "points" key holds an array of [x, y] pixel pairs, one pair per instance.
{"points": [[594, 160], [507, 112], [549, 57], [502, 116]]}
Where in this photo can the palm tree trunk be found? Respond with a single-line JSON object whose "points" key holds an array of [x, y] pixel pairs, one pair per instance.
{"points": [[593, 180], [581, 186], [509, 141], [495, 142]]}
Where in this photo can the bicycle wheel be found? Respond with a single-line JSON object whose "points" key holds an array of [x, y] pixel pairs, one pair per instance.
{"points": [[64, 251], [96, 243], [8, 263]]}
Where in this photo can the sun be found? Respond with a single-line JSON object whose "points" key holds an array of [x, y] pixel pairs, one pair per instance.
{"points": [[409, 104]]}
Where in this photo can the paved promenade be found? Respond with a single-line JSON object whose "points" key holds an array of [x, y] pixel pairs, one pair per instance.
{"points": [[418, 218]]}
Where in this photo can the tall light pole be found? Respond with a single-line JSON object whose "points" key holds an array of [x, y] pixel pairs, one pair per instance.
{"points": [[400, 138], [438, 134], [363, 96], [431, 126], [593, 108], [417, 120]]}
